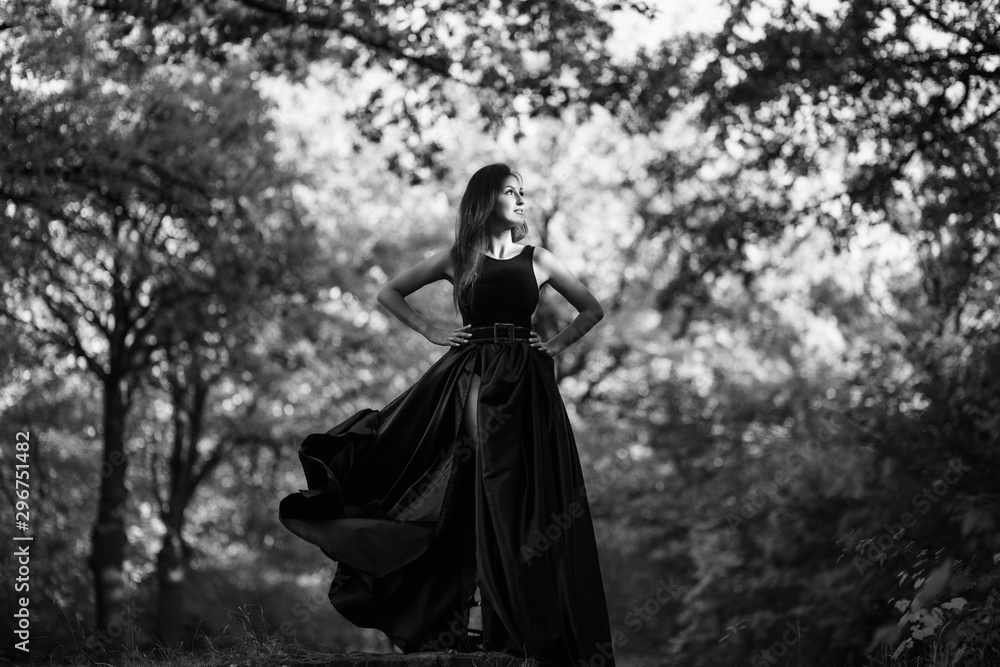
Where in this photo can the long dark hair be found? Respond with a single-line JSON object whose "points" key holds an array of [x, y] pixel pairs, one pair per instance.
{"points": [[470, 234]]}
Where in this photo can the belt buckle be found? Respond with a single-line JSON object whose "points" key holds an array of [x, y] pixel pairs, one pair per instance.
{"points": [[510, 337]]}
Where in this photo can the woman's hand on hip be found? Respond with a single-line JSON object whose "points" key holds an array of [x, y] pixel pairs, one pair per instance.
{"points": [[547, 347], [449, 337]]}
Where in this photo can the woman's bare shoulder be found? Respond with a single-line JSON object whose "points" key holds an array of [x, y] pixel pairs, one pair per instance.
{"points": [[442, 262], [544, 256]]}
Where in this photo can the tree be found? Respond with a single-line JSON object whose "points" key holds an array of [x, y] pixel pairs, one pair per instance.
{"points": [[877, 119], [896, 104], [521, 59], [212, 347], [133, 189]]}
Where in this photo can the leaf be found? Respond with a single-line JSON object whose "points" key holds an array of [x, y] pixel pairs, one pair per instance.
{"points": [[955, 603]]}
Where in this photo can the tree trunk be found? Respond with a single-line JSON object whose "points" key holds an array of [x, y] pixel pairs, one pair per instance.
{"points": [[171, 575], [188, 402], [107, 558]]}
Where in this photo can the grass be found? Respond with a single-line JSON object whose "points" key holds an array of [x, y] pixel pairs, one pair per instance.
{"points": [[245, 643]]}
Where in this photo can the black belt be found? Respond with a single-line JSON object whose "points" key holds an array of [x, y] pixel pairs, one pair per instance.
{"points": [[501, 332]]}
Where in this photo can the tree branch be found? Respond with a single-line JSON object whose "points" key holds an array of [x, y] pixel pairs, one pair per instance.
{"points": [[384, 43], [72, 339]]}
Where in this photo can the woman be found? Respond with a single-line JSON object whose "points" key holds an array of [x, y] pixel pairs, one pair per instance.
{"points": [[468, 485]]}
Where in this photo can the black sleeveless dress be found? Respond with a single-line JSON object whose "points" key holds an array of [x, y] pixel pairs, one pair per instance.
{"points": [[417, 515]]}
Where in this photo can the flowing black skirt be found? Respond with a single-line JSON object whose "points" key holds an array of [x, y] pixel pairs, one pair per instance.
{"points": [[417, 514]]}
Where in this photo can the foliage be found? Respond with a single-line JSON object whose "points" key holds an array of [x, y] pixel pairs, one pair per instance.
{"points": [[871, 124], [133, 188], [521, 60], [792, 225], [148, 222]]}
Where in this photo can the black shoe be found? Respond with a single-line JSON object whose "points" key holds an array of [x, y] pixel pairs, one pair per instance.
{"points": [[475, 638]]}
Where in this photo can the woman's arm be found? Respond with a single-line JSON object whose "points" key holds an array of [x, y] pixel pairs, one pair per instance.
{"points": [[564, 282], [393, 297]]}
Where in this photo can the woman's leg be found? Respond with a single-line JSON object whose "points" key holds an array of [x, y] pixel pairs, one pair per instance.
{"points": [[470, 423], [471, 417], [482, 617]]}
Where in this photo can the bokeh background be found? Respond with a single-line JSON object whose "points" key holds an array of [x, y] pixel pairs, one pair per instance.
{"points": [[788, 418]]}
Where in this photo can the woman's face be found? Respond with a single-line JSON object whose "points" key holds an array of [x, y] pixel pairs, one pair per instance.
{"points": [[509, 207]]}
